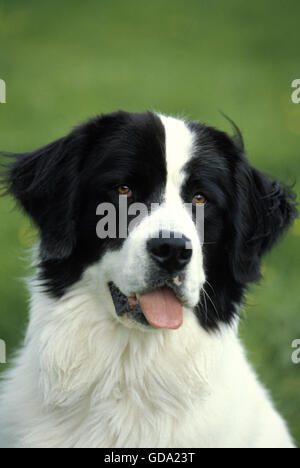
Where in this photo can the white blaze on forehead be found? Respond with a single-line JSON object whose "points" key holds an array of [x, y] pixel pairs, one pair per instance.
{"points": [[179, 146], [179, 143]]}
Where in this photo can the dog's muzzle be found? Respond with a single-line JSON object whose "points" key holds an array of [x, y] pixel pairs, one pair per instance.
{"points": [[159, 306]]}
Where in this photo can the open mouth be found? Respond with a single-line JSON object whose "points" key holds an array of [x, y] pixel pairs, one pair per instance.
{"points": [[160, 307]]}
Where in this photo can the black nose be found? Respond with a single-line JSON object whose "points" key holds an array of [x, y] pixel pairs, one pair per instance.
{"points": [[170, 251]]}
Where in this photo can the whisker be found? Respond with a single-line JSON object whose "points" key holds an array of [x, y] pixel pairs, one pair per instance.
{"points": [[211, 301], [204, 306], [208, 283]]}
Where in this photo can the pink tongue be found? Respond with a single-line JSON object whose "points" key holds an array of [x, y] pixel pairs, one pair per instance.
{"points": [[162, 309]]}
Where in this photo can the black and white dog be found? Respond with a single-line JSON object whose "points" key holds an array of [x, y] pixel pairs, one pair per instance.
{"points": [[133, 340]]}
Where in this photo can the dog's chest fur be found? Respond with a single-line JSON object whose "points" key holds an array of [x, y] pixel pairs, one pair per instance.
{"points": [[95, 383], [91, 382]]}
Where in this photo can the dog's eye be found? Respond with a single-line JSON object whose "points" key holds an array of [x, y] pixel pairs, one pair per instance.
{"points": [[199, 199], [125, 190]]}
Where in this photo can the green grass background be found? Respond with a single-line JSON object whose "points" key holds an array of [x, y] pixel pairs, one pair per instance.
{"points": [[66, 61]]}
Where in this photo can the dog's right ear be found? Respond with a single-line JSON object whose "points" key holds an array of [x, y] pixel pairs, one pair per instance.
{"points": [[46, 183]]}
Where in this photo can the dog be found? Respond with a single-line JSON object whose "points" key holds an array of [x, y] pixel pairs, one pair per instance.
{"points": [[133, 340]]}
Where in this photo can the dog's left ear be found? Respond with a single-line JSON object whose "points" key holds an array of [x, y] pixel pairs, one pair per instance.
{"points": [[266, 209], [46, 183]]}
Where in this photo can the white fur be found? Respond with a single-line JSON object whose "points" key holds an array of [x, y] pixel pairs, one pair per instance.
{"points": [[86, 378]]}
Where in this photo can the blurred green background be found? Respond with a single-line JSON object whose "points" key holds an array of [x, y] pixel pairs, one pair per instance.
{"points": [[66, 61]]}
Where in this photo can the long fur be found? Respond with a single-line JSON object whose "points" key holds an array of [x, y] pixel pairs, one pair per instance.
{"points": [[88, 377]]}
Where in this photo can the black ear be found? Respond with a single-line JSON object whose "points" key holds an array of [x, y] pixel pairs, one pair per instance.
{"points": [[45, 183], [266, 209]]}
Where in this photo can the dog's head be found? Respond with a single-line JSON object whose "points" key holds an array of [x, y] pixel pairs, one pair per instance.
{"points": [[171, 211]]}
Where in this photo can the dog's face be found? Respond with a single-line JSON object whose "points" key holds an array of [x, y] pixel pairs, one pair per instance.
{"points": [[176, 173]]}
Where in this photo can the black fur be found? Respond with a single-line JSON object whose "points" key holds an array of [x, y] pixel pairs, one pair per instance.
{"points": [[61, 185], [246, 214]]}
